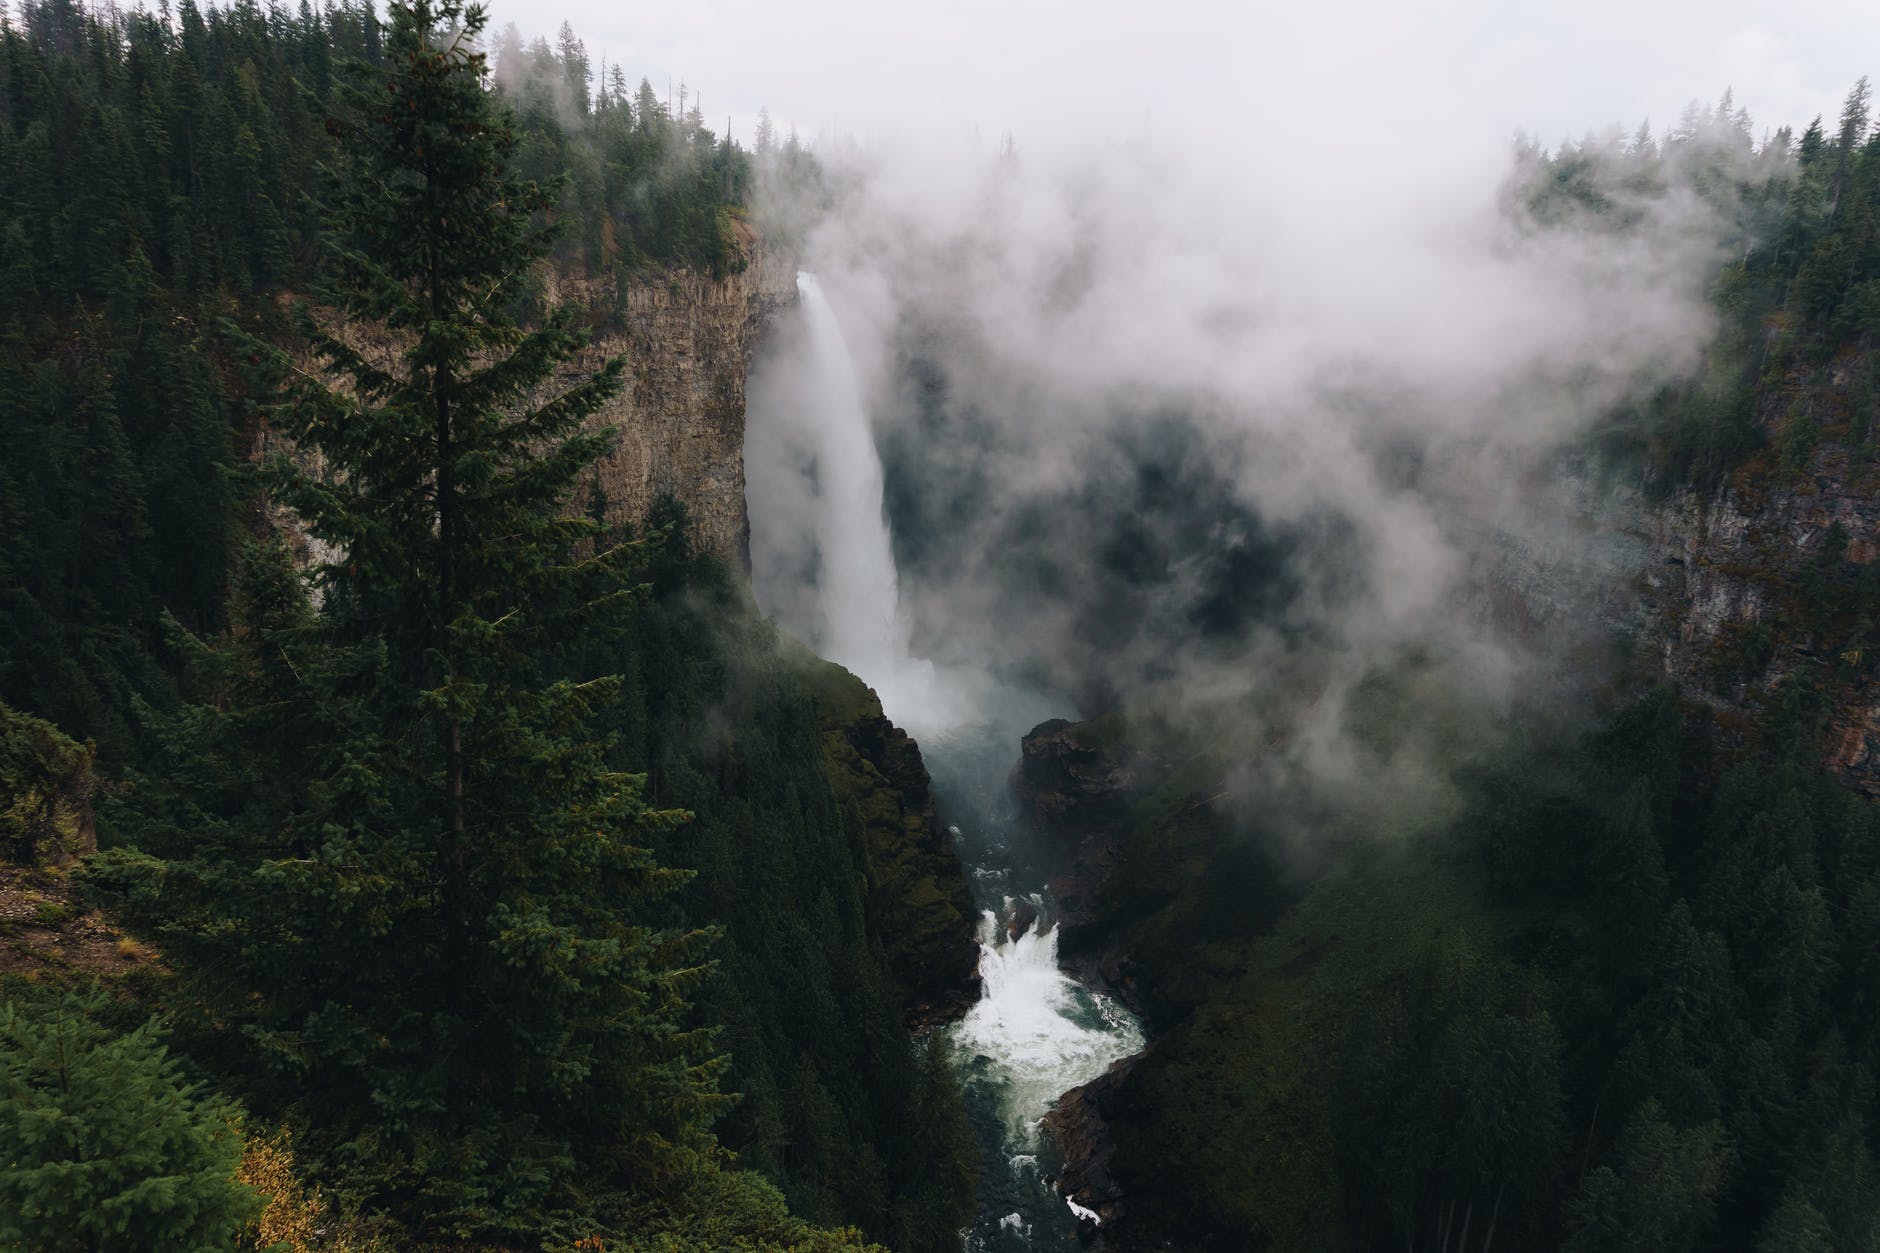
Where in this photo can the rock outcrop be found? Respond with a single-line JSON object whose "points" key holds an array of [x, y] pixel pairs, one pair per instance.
{"points": [[1729, 576], [1077, 785], [1078, 1127], [1730, 590], [1763, 583], [916, 885], [688, 340], [1069, 782]]}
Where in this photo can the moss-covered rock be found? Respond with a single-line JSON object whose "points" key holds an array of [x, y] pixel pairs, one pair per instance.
{"points": [[45, 789], [918, 897], [1165, 901], [843, 917], [1161, 881]]}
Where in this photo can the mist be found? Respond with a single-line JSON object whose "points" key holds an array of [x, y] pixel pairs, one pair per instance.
{"points": [[1258, 429]]}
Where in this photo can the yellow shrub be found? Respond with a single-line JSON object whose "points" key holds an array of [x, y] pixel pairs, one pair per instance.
{"points": [[296, 1218]]}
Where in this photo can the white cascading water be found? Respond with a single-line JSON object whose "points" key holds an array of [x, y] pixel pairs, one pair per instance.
{"points": [[860, 599], [1041, 1032], [1035, 1033]]}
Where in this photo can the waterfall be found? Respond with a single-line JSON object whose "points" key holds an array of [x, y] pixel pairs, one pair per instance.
{"points": [[862, 627], [1040, 1032], [860, 601], [815, 483]]}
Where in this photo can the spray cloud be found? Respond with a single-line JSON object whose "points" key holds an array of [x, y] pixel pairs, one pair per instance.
{"points": [[1247, 428]]}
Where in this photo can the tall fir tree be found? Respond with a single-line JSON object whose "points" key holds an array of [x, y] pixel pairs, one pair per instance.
{"points": [[399, 869]]}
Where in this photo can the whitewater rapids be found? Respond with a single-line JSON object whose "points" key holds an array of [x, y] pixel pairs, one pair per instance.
{"points": [[1035, 1032]]}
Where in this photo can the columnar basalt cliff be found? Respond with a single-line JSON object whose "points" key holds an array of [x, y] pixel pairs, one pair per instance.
{"points": [[688, 339]]}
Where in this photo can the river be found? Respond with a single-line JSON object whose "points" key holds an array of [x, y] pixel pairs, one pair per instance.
{"points": [[1036, 1032]]}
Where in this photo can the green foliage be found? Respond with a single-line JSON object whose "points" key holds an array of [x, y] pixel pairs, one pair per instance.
{"points": [[392, 847], [103, 1144], [117, 506], [839, 904], [1801, 293], [44, 777], [1796, 442], [153, 175], [1658, 1194], [396, 847], [1187, 892], [646, 182], [1622, 1001], [735, 1212], [405, 891], [1451, 1098], [159, 173], [1795, 1227]]}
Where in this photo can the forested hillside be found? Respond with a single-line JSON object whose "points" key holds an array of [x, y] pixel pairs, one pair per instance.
{"points": [[1620, 996], [160, 175], [494, 877], [399, 849]]}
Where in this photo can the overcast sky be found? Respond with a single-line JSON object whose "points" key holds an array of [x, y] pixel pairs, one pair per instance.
{"points": [[1046, 70]]}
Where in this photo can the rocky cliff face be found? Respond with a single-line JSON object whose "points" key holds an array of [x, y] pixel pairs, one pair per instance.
{"points": [[1765, 584], [1077, 1125], [688, 340], [1730, 591], [1740, 578], [1067, 781], [1077, 785]]}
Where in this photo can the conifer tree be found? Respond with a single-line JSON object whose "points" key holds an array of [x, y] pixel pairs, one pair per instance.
{"points": [[103, 1145], [400, 870]]}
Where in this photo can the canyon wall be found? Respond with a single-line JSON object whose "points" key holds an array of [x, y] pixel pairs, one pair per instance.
{"points": [[688, 340], [1766, 581]]}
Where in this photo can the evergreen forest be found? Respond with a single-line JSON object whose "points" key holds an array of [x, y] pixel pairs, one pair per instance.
{"points": [[462, 941], [421, 857], [1615, 995]]}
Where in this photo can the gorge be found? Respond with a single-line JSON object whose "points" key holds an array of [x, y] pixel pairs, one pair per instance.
{"points": [[1035, 1033], [575, 682]]}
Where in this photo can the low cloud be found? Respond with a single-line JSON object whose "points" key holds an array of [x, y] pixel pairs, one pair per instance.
{"points": [[1271, 430]]}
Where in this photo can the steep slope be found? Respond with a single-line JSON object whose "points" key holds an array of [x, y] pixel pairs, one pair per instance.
{"points": [[845, 919], [1766, 583]]}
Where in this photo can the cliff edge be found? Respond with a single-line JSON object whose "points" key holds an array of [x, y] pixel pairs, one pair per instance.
{"points": [[688, 339]]}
